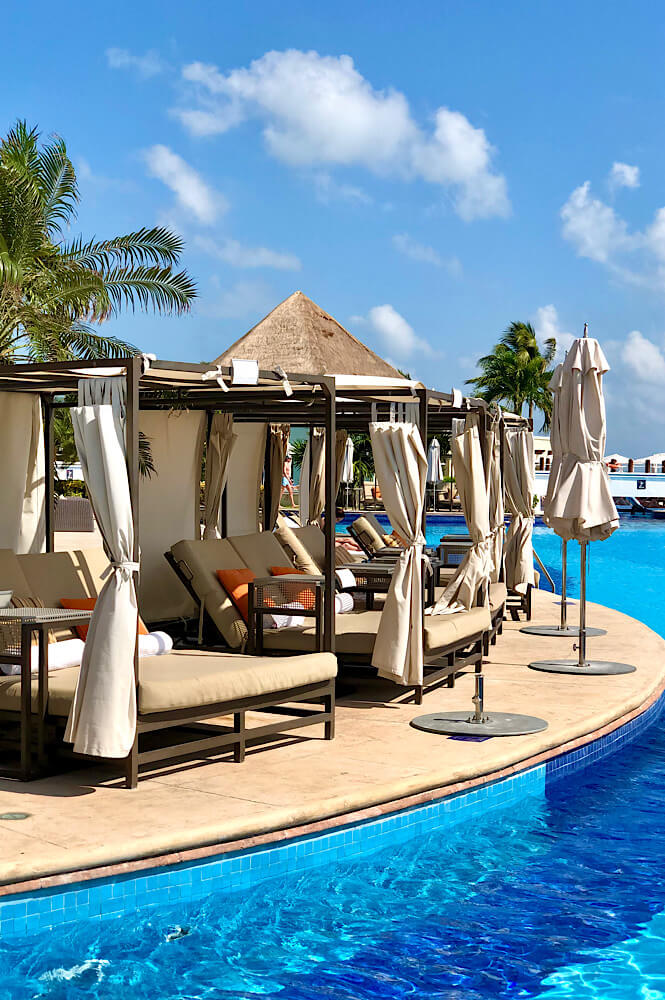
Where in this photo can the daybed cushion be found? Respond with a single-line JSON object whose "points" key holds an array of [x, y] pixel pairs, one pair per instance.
{"points": [[204, 558], [498, 595], [372, 538], [292, 543], [445, 630], [54, 575], [182, 680], [259, 552], [355, 634], [12, 576]]}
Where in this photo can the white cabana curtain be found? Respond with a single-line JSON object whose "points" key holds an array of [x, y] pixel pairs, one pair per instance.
{"points": [[279, 443], [518, 478], [244, 478], [23, 479], [341, 438], [102, 721], [581, 505], [495, 496], [220, 446], [400, 463], [313, 474], [462, 591]]}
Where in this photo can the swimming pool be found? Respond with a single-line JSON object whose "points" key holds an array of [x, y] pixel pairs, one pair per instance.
{"points": [[560, 895]]}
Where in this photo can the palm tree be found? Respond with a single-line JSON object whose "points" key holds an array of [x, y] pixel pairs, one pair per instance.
{"points": [[517, 372], [53, 288]]}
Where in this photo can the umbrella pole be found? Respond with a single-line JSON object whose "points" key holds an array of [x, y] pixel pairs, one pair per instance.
{"points": [[582, 642], [564, 574]]}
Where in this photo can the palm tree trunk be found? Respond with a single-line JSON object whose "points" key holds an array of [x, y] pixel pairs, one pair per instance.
{"points": [[531, 412]]}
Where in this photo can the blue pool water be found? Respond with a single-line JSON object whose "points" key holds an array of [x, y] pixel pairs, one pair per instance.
{"points": [[562, 896]]}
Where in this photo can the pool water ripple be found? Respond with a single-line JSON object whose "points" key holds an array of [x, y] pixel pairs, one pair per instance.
{"points": [[559, 896]]}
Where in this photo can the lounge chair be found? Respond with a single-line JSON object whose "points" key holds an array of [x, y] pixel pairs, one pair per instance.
{"points": [[450, 642], [369, 497], [373, 540], [178, 691]]}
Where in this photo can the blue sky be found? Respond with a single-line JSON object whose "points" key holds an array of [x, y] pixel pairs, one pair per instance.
{"points": [[427, 172]]}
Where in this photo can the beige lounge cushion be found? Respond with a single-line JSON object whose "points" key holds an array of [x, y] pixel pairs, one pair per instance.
{"points": [[442, 631], [288, 538], [260, 551], [344, 556], [355, 634], [204, 558], [498, 595], [12, 576], [189, 680], [54, 575], [372, 538]]}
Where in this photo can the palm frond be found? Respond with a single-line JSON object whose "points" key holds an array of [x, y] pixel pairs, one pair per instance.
{"points": [[57, 181]]}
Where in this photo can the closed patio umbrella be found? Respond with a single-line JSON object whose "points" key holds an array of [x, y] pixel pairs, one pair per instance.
{"points": [[580, 505], [347, 466], [434, 467]]}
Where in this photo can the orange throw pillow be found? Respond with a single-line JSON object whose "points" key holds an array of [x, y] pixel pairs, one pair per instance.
{"points": [[236, 584], [305, 597], [88, 604]]}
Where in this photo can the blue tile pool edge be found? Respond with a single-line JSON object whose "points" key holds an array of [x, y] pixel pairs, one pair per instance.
{"points": [[113, 896]]}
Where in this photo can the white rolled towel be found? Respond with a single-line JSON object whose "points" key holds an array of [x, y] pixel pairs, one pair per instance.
{"points": [[155, 644], [343, 603], [345, 578]]}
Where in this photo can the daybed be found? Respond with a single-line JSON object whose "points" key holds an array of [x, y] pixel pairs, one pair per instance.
{"points": [[175, 691]]}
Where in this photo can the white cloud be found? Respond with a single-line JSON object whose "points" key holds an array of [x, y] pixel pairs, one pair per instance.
{"points": [[645, 359], [427, 255], [147, 65], [328, 189], [244, 300], [594, 228], [397, 334], [319, 111], [191, 191], [623, 175], [546, 324], [598, 232], [234, 253]]}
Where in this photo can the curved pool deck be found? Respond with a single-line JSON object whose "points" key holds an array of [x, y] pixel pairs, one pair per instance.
{"points": [[85, 825]]}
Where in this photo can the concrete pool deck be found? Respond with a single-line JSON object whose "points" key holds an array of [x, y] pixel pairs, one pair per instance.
{"points": [[86, 822]]}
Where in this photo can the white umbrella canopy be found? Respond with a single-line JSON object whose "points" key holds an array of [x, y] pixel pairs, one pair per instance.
{"points": [[581, 506], [434, 467], [620, 459], [347, 465], [656, 459]]}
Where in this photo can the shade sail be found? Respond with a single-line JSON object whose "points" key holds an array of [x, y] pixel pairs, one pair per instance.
{"points": [[102, 721], [519, 492], [462, 591], [401, 471], [581, 506]]}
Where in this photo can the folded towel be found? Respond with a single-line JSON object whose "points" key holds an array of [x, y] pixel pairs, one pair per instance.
{"points": [[343, 603], [285, 621], [155, 644], [345, 578]]}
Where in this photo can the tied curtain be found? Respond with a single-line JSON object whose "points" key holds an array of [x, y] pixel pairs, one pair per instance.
{"points": [[519, 487], [495, 496], [313, 473], [279, 443], [474, 570], [102, 721], [401, 471], [221, 441]]}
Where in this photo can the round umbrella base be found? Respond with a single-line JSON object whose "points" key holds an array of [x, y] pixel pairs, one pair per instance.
{"points": [[592, 668], [570, 631], [493, 724]]}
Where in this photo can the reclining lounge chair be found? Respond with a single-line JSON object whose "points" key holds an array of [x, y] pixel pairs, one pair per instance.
{"points": [[176, 692], [450, 642]]}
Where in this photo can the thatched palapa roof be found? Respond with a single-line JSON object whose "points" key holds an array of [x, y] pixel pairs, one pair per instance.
{"points": [[301, 337]]}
